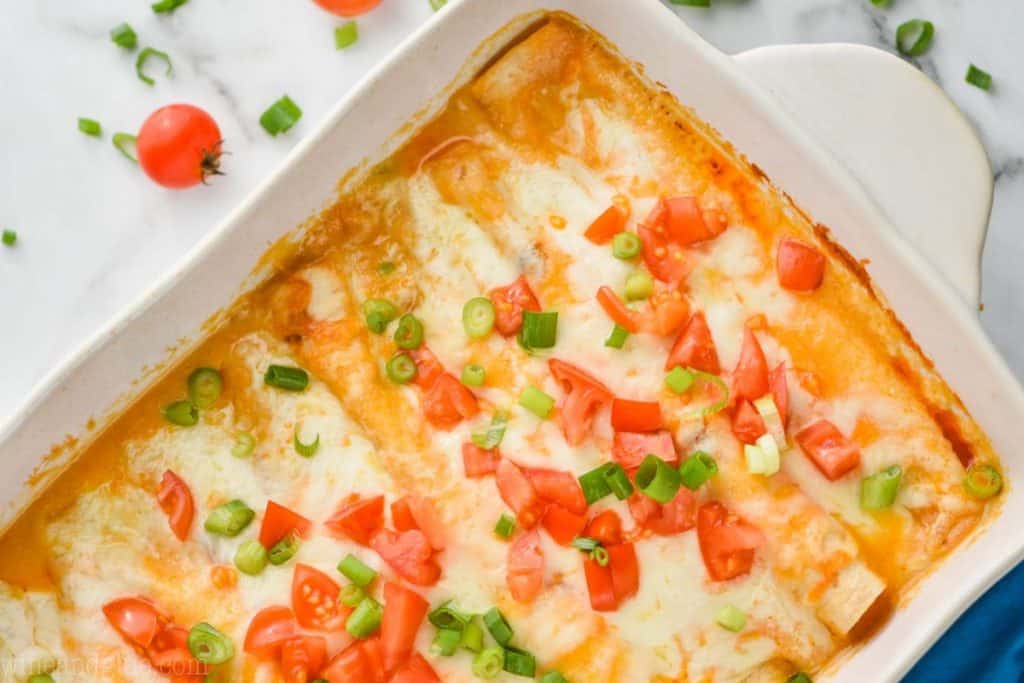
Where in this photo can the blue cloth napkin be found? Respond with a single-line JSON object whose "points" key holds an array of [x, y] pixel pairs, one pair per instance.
{"points": [[986, 645]]}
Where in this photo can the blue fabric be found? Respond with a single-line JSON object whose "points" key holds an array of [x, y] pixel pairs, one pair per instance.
{"points": [[986, 645]]}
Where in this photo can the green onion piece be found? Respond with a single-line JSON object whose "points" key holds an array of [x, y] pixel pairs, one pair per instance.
{"points": [[182, 413], [125, 144], [914, 37], [306, 450], [229, 519], [537, 402], [539, 330], [401, 369], [124, 36], [351, 595], [720, 383], [879, 490], [284, 549], [204, 387], [553, 677], [446, 642], [762, 456], [251, 557], [409, 334], [626, 245], [494, 434], [505, 527], [520, 663], [90, 127], [167, 6], [472, 636], [245, 444], [639, 285], [599, 555], [657, 480], [692, 3], [617, 339], [437, 4], [594, 484], [697, 469], [474, 375], [365, 619], [618, 481], [9, 238], [585, 543], [346, 35], [979, 77], [800, 677], [280, 116], [488, 663], [140, 63], [286, 377], [881, 3], [378, 313], [679, 380], [495, 622], [731, 619], [356, 571], [478, 317], [41, 678], [983, 481], [209, 645], [447, 617], [386, 267]]}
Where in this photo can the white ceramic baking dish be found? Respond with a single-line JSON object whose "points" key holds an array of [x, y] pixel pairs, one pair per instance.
{"points": [[822, 125]]}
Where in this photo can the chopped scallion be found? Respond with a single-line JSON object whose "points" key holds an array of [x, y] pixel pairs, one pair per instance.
{"points": [[208, 645], [356, 571], [626, 245], [585, 543], [251, 557], [124, 36], [409, 334], [657, 480], [495, 622], [286, 377], [914, 37], [979, 77], [618, 481], [594, 484], [472, 636], [378, 313], [90, 127], [537, 402], [639, 286], [437, 4], [539, 330], [473, 375], [9, 237], [447, 617], [446, 642], [306, 450], [491, 438], [878, 491], [365, 619], [762, 456], [983, 481], [125, 144], [401, 368], [245, 444], [600, 555], [731, 619], [553, 677], [489, 663], [505, 527], [520, 663], [800, 677], [617, 339], [167, 6], [346, 35], [229, 519], [697, 469], [285, 549], [478, 317], [182, 413], [140, 63], [679, 380], [351, 595], [204, 387], [280, 116]]}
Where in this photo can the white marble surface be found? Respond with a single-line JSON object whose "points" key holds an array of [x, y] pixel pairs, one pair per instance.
{"points": [[93, 232]]}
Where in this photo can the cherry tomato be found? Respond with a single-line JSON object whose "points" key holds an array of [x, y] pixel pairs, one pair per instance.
{"points": [[694, 347], [409, 554], [750, 378], [179, 146], [137, 619], [269, 630], [404, 611], [518, 493], [347, 8], [448, 402], [175, 500], [278, 522], [558, 487], [358, 518], [727, 543], [584, 397], [315, 600], [525, 576]]}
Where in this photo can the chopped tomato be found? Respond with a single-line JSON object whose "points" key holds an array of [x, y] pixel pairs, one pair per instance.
{"points": [[425, 516], [302, 658], [315, 600], [750, 378], [358, 518], [558, 487], [175, 500], [694, 347], [525, 575], [727, 543], [617, 310], [636, 416], [666, 260], [169, 653], [358, 663], [625, 571], [428, 367], [563, 526], [518, 493], [416, 670], [448, 402], [686, 223], [409, 554], [584, 395], [747, 423], [600, 586], [404, 611], [665, 312], [828, 449], [674, 517], [401, 515], [800, 266], [269, 630], [347, 8], [479, 462], [137, 619], [223, 576], [629, 448], [278, 522], [510, 302], [605, 527], [606, 226], [780, 391]]}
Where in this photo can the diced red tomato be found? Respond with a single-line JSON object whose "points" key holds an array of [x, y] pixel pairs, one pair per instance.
{"points": [[828, 449], [358, 663], [617, 310], [800, 266], [636, 416], [780, 391], [585, 395], [665, 312], [686, 224], [674, 517], [600, 586], [278, 522], [409, 554], [666, 260], [416, 670], [478, 462], [606, 226], [558, 487], [169, 653], [175, 500], [428, 367], [269, 630], [694, 347], [510, 302], [137, 619], [625, 571], [518, 493], [315, 600], [750, 378], [426, 518], [727, 543], [448, 402], [358, 518], [302, 658], [525, 575], [404, 611], [605, 527], [629, 448], [563, 526], [401, 515], [747, 423]]}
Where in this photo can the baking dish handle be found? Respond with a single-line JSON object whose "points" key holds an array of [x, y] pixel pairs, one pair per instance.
{"points": [[901, 137]]}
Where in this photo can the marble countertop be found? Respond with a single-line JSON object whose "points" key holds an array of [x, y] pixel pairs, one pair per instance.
{"points": [[94, 233]]}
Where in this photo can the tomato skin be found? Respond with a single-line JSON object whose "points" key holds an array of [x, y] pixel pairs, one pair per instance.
{"points": [[168, 653], [401, 515], [750, 378], [585, 395], [428, 367], [509, 303], [426, 518], [666, 260], [404, 611], [137, 619], [563, 526], [179, 146], [780, 392], [358, 663], [674, 517], [175, 500], [800, 266], [600, 586], [347, 8], [625, 571], [630, 448], [278, 522], [315, 600], [302, 658], [478, 462], [525, 576], [606, 226], [636, 416], [416, 670], [269, 630], [686, 223], [747, 423], [606, 527], [727, 543], [358, 518], [518, 493], [664, 314], [448, 402], [409, 554], [694, 347], [558, 487], [622, 315], [832, 453]]}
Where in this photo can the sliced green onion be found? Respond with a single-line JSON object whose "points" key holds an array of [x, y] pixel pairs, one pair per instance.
{"points": [[494, 434], [594, 484], [205, 386], [386, 267], [731, 619], [983, 481], [378, 313], [505, 527], [447, 617], [229, 519], [446, 642], [351, 595], [245, 444], [365, 619], [167, 6], [978, 77], [356, 571], [617, 339], [692, 3], [914, 37], [626, 245], [585, 543], [762, 456], [140, 63], [679, 380], [251, 557], [472, 636], [520, 663], [717, 381], [618, 481], [437, 4], [9, 238], [285, 549], [125, 144], [90, 127], [657, 480], [639, 285], [769, 412], [488, 663], [800, 677], [209, 645], [306, 450], [495, 622], [182, 413], [879, 491], [881, 3], [697, 469], [473, 375], [124, 36], [478, 317], [539, 330], [41, 678], [409, 334], [599, 555], [287, 378], [401, 369], [553, 677], [537, 402], [280, 116], [346, 35]]}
